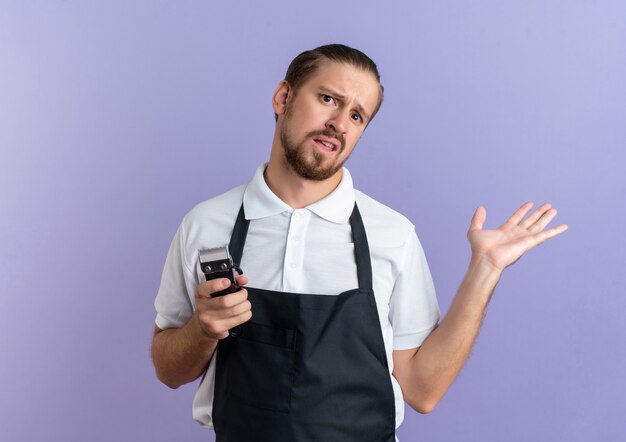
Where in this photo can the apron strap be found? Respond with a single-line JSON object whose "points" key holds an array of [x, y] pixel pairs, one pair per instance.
{"points": [[238, 238], [361, 250], [361, 247]]}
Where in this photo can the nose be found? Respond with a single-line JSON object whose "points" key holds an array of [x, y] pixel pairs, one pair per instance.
{"points": [[338, 121]]}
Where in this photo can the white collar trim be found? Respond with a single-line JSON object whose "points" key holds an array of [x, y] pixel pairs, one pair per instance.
{"points": [[260, 202]]}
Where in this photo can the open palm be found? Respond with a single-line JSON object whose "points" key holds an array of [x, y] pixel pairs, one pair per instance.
{"points": [[505, 245]]}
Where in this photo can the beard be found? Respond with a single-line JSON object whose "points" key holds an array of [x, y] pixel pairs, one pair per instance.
{"points": [[311, 166]]}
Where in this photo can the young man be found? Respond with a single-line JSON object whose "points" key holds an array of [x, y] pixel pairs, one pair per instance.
{"points": [[339, 323]]}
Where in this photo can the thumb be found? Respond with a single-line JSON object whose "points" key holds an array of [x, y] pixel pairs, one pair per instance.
{"points": [[478, 220]]}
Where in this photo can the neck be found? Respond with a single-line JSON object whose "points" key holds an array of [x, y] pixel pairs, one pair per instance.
{"points": [[291, 188]]}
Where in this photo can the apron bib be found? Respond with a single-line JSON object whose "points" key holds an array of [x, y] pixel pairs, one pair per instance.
{"points": [[306, 367]]}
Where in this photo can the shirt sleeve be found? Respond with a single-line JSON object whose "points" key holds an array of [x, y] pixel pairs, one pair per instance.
{"points": [[173, 302], [414, 310]]}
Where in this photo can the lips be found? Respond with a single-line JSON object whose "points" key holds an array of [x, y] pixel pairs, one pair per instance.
{"points": [[327, 144]]}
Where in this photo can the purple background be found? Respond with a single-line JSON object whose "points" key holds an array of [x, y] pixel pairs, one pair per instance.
{"points": [[117, 117]]}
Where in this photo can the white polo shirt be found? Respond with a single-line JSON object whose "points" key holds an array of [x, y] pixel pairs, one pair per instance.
{"points": [[307, 250]]}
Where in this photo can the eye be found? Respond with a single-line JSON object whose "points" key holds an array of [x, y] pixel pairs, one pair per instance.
{"points": [[357, 117], [327, 98]]}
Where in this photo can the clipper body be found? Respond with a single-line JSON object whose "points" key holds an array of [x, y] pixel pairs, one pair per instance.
{"points": [[217, 263]]}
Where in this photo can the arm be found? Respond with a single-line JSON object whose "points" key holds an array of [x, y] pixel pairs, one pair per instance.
{"points": [[181, 355], [425, 373]]}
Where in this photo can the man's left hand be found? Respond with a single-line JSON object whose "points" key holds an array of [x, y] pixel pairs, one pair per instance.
{"points": [[505, 245]]}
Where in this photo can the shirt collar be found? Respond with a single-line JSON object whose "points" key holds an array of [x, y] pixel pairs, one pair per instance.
{"points": [[260, 202]]}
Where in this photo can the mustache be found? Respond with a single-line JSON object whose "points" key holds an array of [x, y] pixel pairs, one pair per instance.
{"points": [[330, 134]]}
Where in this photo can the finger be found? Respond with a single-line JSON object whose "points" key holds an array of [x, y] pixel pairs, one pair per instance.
{"points": [[230, 300], [204, 289], [239, 309], [212, 312], [537, 214], [221, 326], [216, 322], [520, 213], [544, 235], [479, 218], [543, 221], [238, 320], [242, 280]]}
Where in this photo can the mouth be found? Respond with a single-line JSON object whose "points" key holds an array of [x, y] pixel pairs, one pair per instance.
{"points": [[326, 145]]}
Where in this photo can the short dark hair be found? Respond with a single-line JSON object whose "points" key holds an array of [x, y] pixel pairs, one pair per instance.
{"points": [[307, 63]]}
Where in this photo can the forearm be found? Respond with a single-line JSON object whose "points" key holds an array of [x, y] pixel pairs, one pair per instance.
{"points": [[181, 355], [440, 358]]}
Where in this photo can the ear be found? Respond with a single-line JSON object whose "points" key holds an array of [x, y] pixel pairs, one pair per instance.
{"points": [[281, 97]]}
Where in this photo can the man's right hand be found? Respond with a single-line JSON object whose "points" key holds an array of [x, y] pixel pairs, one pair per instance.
{"points": [[216, 316]]}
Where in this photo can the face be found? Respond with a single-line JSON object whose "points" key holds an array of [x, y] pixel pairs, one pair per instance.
{"points": [[324, 119]]}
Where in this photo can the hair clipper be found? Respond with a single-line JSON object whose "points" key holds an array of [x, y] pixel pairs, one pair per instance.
{"points": [[217, 263]]}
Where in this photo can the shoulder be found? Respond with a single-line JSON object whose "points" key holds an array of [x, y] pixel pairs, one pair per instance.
{"points": [[382, 223], [218, 213]]}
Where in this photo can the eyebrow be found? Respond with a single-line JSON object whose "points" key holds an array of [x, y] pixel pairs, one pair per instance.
{"points": [[359, 106]]}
